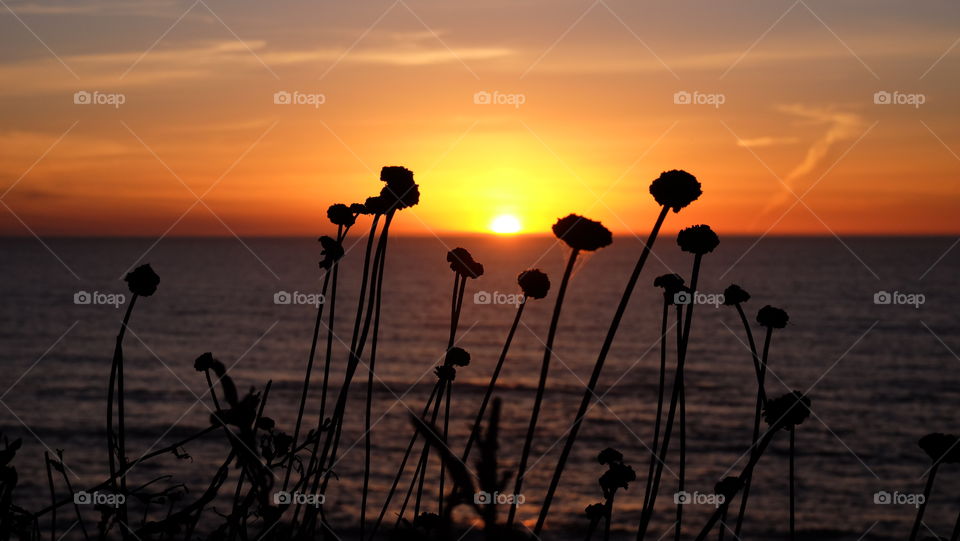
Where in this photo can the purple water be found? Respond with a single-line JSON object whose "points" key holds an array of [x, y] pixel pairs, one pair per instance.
{"points": [[880, 375]]}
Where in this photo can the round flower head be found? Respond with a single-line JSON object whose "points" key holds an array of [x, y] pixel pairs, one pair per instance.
{"points": [[939, 447], [582, 233], [771, 317], [376, 205], [142, 281], [462, 263], [734, 295], [340, 214], [397, 176], [609, 456], [698, 239], [401, 191], [203, 362], [457, 357], [787, 411], [618, 476], [675, 189], [595, 511], [358, 208], [534, 283], [728, 487], [332, 251], [671, 284]]}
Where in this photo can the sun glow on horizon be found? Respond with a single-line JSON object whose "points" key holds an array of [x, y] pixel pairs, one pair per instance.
{"points": [[505, 224]]}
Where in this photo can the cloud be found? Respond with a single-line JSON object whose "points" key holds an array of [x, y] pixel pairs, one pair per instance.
{"points": [[768, 141]]}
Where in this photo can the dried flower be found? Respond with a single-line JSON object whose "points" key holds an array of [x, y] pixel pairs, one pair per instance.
{"points": [[445, 372], [457, 357], [401, 191], [595, 511], [358, 208], [609, 456], [771, 317], [142, 281], [332, 251], [462, 263], [204, 362], [940, 447], [787, 411], [376, 205], [675, 189], [618, 476], [734, 295], [340, 214], [582, 233], [534, 283], [698, 239], [671, 284], [728, 486]]}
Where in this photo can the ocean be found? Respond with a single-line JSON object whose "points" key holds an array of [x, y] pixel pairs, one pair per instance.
{"points": [[880, 375]]}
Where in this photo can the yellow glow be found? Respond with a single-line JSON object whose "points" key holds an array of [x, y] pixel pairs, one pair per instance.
{"points": [[505, 224]]}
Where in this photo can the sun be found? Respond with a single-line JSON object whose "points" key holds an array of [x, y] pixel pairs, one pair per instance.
{"points": [[505, 224]]}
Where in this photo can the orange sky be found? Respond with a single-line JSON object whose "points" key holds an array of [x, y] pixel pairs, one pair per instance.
{"points": [[589, 114]]}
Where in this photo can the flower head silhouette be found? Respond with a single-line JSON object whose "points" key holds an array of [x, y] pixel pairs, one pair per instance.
{"points": [[401, 191], [204, 362], [787, 411], [340, 214], [698, 239], [376, 205], [332, 251], [728, 486], [582, 233], [609, 456], [462, 263], [618, 476], [142, 281], [457, 357], [940, 447], [734, 295], [675, 189], [595, 511], [671, 285], [773, 318], [534, 283]]}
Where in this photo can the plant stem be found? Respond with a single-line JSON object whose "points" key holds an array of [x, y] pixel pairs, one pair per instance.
{"points": [[926, 497], [597, 369], [609, 516], [761, 400], [475, 432], [660, 392], [674, 400], [541, 385], [793, 530], [753, 349], [368, 427], [117, 449]]}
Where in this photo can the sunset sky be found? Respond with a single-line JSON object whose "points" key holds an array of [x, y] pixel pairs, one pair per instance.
{"points": [[588, 119]]}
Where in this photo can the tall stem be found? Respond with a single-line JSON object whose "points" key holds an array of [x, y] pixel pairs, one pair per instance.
{"points": [[541, 385], [368, 427], [475, 432], [609, 516], [674, 401], [926, 497], [597, 369], [117, 449], [660, 390], [793, 529], [761, 400], [753, 348]]}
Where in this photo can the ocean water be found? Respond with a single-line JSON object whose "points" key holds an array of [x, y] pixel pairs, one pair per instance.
{"points": [[880, 376]]}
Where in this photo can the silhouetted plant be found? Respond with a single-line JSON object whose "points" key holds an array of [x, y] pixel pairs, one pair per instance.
{"points": [[787, 412], [617, 476], [142, 282], [941, 448], [535, 285], [771, 318], [726, 488], [698, 240], [580, 234], [672, 190]]}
